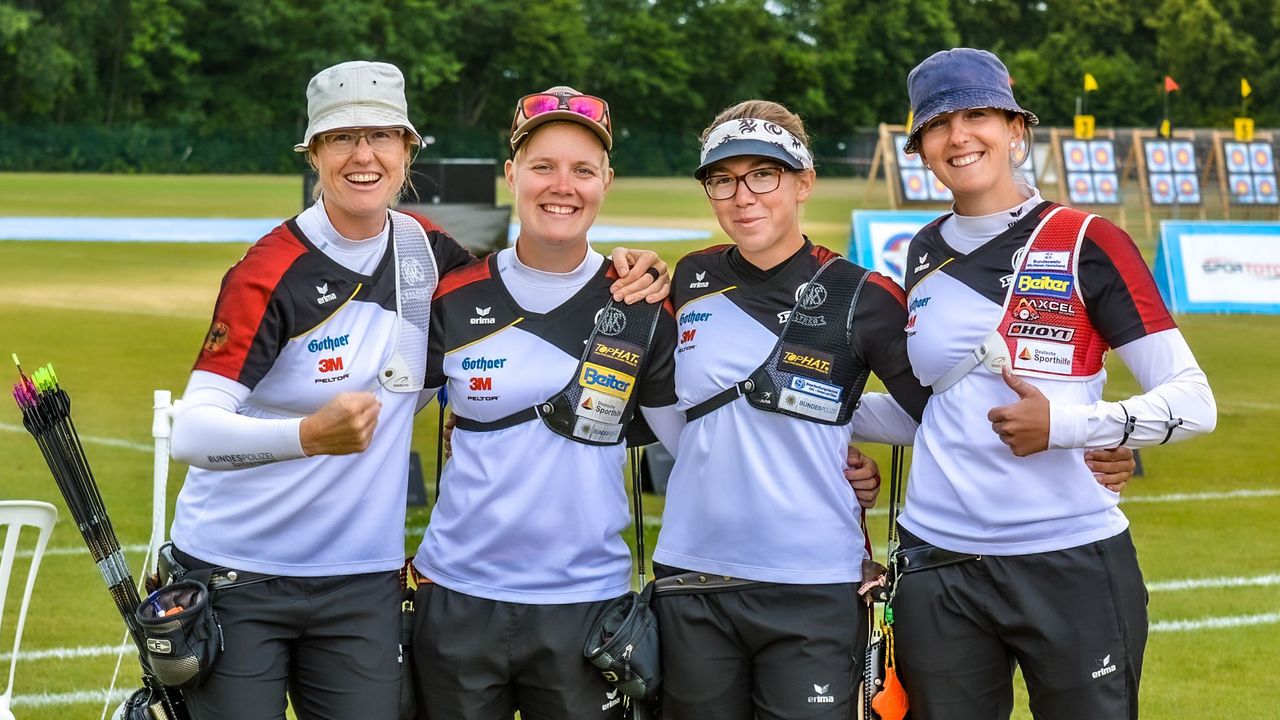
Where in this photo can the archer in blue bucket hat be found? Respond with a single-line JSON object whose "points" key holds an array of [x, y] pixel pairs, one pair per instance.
{"points": [[958, 79]]}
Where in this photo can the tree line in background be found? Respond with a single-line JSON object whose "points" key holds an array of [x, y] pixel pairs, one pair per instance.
{"points": [[218, 85]]}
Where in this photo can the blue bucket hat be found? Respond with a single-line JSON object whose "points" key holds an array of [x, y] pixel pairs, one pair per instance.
{"points": [[958, 79]]}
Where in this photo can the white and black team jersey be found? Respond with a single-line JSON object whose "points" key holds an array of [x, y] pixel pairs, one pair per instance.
{"points": [[296, 328], [757, 494], [524, 514], [967, 491]]}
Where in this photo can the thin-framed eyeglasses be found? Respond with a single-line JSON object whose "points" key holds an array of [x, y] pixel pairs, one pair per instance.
{"points": [[344, 142], [760, 181]]}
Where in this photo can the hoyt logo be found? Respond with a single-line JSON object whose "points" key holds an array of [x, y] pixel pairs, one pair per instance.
{"points": [[325, 295], [699, 281], [1044, 332], [482, 317]]}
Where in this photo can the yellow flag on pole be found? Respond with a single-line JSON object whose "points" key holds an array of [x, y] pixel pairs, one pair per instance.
{"points": [[1090, 82], [1245, 90]]}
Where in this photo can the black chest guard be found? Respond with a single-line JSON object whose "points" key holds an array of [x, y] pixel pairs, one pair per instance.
{"points": [[813, 372], [598, 404]]}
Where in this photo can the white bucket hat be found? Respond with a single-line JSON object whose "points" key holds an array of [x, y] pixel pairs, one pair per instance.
{"points": [[356, 94]]}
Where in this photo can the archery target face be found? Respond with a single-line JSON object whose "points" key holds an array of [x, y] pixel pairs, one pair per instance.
{"points": [[1184, 156], [1237, 155], [1241, 188], [1080, 188], [1075, 154], [1264, 189], [1158, 160], [1104, 155], [915, 185], [904, 160], [1106, 188], [1263, 162], [1161, 188], [938, 191], [1188, 188]]}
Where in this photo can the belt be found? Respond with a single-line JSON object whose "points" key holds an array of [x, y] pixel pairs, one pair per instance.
{"points": [[927, 557], [692, 583]]}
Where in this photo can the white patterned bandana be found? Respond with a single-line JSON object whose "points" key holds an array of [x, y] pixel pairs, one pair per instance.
{"points": [[753, 136]]}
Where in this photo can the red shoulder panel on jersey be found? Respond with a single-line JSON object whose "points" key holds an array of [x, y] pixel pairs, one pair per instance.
{"points": [[465, 276], [711, 250], [889, 286], [427, 223], [669, 308], [242, 302], [612, 272], [1135, 274], [822, 254]]}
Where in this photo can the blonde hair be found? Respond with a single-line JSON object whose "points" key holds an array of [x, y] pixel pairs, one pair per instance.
{"points": [[524, 141], [766, 110]]}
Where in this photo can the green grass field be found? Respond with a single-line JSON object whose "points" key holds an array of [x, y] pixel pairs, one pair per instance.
{"points": [[121, 319]]}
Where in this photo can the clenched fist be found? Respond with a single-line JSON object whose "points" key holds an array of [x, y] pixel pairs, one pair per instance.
{"points": [[343, 426]]}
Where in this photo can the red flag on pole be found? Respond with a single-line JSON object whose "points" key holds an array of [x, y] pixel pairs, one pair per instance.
{"points": [[1170, 85]]}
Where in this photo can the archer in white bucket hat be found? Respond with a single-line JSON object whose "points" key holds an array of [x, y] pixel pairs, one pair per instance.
{"points": [[356, 94]]}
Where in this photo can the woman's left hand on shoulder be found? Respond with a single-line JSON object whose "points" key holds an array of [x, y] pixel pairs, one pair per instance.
{"points": [[642, 275], [1023, 425]]}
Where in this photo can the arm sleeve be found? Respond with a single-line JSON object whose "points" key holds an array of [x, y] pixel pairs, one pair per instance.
{"points": [[879, 337], [881, 419], [1177, 402], [1127, 310], [209, 433], [667, 423]]}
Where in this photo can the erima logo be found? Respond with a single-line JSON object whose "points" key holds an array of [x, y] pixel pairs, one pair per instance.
{"points": [[924, 263], [1107, 668], [821, 696], [325, 295], [700, 281], [483, 317], [611, 699]]}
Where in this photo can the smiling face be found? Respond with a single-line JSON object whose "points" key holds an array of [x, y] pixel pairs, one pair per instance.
{"points": [[558, 178], [766, 226], [361, 184], [969, 151]]}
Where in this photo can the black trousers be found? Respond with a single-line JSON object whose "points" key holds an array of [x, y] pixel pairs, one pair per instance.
{"points": [[479, 659], [1075, 620], [331, 643], [776, 652]]}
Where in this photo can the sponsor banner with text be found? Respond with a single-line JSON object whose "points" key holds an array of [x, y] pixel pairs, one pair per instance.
{"points": [[1219, 267]]}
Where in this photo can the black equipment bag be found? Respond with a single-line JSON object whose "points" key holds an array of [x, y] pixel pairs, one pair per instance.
{"points": [[183, 637]]}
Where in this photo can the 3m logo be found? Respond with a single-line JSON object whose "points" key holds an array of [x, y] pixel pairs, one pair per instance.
{"points": [[328, 365], [481, 383], [687, 335]]}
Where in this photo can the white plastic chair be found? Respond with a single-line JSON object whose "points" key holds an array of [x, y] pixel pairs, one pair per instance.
{"points": [[14, 515]]}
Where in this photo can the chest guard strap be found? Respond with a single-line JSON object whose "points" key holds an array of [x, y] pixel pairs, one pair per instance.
{"points": [[598, 404], [812, 372], [1044, 329], [416, 278]]}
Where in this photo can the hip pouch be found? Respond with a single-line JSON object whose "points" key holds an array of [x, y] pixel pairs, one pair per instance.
{"points": [[183, 636], [623, 644]]}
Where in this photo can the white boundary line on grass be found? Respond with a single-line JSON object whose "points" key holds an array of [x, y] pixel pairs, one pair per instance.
{"points": [[79, 697], [92, 439], [1215, 623], [1214, 583]]}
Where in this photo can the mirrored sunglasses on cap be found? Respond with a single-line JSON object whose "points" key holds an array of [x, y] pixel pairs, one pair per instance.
{"points": [[588, 107]]}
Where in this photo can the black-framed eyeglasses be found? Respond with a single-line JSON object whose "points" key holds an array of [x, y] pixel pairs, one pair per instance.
{"points": [[344, 142], [760, 181]]}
